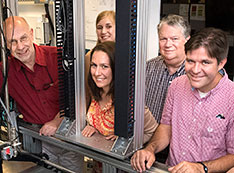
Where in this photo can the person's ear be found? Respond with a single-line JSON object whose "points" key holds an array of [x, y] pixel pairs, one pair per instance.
{"points": [[222, 63], [31, 33], [186, 39], [8, 52]]}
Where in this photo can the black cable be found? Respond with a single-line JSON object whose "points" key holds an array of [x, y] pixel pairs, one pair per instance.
{"points": [[13, 25], [49, 18], [7, 53]]}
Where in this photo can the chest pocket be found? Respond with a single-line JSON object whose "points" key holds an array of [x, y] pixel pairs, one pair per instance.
{"points": [[214, 130], [53, 92]]}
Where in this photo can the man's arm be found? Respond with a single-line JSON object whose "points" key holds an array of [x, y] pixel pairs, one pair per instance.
{"points": [[158, 142], [150, 125], [49, 128], [222, 164]]}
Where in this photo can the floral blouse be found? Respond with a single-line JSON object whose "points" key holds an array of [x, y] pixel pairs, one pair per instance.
{"points": [[101, 118]]}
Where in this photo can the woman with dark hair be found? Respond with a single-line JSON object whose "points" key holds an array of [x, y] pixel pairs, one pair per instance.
{"points": [[100, 115], [105, 30]]}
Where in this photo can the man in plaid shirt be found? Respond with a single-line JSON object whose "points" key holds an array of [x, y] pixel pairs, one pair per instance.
{"points": [[173, 32]]}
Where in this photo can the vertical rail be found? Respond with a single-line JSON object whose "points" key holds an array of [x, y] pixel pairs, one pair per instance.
{"points": [[79, 51], [13, 5], [141, 56], [65, 44], [131, 54], [4, 63], [125, 62]]}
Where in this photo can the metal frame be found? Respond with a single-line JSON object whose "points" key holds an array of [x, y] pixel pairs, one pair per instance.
{"points": [[136, 59], [125, 67], [13, 5], [79, 52], [141, 54], [129, 117], [109, 163]]}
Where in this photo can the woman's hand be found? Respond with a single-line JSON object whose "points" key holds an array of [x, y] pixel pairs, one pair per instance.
{"points": [[88, 131], [111, 137]]}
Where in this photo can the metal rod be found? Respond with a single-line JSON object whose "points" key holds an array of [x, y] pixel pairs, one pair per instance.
{"points": [[79, 53], [4, 60], [141, 54]]}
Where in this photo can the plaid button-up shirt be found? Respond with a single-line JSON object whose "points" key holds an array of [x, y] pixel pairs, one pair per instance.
{"points": [[157, 81]]}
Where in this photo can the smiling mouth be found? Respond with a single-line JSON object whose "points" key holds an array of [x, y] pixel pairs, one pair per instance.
{"points": [[100, 79], [22, 53], [105, 37], [195, 78], [169, 51]]}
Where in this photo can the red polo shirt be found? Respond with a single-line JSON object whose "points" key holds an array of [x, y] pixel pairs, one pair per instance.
{"points": [[37, 105]]}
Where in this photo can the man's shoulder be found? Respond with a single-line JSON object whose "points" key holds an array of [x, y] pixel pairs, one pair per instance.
{"points": [[154, 63], [47, 48], [228, 86], [155, 60], [182, 78], [180, 81], [46, 51]]}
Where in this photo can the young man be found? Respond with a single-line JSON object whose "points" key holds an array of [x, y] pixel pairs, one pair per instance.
{"points": [[198, 116], [33, 84], [173, 31]]}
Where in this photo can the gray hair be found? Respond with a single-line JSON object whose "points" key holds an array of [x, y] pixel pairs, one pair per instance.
{"points": [[176, 20]]}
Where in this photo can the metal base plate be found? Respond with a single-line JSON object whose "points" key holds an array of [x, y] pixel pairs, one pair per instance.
{"points": [[97, 142]]}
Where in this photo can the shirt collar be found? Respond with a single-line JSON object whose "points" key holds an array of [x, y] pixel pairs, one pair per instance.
{"points": [[179, 70], [40, 59]]}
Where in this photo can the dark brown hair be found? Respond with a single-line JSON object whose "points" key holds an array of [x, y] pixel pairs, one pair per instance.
{"points": [[109, 48], [213, 40]]}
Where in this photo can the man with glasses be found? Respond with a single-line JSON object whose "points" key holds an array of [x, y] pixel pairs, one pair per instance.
{"points": [[32, 76], [33, 82]]}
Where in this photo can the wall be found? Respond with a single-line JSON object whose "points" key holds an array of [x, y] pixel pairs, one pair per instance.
{"points": [[33, 14], [94, 7], [154, 15]]}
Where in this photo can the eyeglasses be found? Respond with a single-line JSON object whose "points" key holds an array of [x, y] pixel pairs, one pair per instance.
{"points": [[45, 86], [23, 40]]}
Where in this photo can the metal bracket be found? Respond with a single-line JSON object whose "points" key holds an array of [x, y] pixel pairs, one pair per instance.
{"points": [[122, 145], [65, 127]]}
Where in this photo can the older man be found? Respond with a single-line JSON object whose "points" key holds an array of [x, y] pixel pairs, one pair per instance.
{"points": [[33, 76], [33, 84], [173, 31]]}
